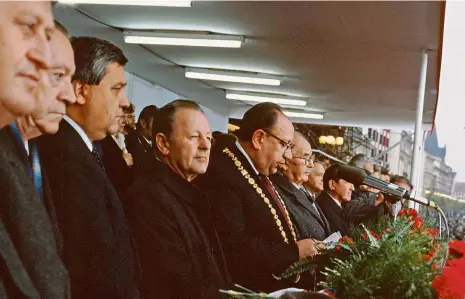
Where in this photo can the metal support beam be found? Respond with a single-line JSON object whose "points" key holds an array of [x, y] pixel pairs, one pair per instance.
{"points": [[418, 139], [391, 147], [328, 156]]}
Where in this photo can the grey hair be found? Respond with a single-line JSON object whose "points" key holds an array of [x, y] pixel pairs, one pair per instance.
{"points": [[359, 160], [92, 56]]}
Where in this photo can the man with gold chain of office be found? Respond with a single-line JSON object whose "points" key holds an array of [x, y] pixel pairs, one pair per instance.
{"points": [[254, 226]]}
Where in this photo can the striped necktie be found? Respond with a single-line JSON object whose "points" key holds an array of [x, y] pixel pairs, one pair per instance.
{"points": [[33, 162], [36, 168]]}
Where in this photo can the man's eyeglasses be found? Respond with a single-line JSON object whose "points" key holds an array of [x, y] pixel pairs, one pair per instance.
{"points": [[286, 145], [308, 159]]}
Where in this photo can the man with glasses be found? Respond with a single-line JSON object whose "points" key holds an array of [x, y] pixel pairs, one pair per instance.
{"points": [[253, 223], [306, 215]]}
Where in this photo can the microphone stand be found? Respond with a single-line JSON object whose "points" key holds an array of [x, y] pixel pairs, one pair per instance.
{"points": [[446, 224]]}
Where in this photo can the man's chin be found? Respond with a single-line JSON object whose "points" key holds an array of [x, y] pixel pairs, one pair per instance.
{"points": [[49, 128]]}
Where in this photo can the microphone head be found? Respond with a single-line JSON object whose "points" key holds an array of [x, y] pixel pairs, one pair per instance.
{"points": [[352, 174]]}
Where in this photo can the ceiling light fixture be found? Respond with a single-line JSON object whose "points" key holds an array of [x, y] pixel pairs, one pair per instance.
{"points": [[183, 39], [233, 76], [304, 115], [264, 97], [172, 3]]}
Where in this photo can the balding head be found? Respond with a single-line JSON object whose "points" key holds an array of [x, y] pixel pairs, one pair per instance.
{"points": [[301, 163]]}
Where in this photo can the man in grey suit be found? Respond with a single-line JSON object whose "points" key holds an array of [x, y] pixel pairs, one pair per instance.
{"points": [[30, 266], [305, 213]]}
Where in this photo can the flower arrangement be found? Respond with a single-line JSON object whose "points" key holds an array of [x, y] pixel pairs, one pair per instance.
{"points": [[401, 258]]}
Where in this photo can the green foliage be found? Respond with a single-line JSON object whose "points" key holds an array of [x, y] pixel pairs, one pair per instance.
{"points": [[392, 266]]}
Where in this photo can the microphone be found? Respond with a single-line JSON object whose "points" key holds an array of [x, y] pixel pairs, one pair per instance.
{"points": [[358, 176]]}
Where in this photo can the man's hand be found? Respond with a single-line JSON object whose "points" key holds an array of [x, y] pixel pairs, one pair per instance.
{"points": [[128, 158], [379, 199], [307, 248]]}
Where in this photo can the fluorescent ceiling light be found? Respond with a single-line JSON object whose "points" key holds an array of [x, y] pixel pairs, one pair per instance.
{"points": [[263, 97], [183, 39], [304, 115], [173, 3], [232, 76]]}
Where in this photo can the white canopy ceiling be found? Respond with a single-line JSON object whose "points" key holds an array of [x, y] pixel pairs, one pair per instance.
{"points": [[358, 62]]}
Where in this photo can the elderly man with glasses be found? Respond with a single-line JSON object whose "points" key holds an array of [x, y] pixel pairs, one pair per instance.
{"points": [[308, 218], [256, 231]]}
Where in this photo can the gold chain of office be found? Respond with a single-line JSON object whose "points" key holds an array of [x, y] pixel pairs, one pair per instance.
{"points": [[260, 192]]}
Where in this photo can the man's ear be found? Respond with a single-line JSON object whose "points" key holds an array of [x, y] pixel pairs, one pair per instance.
{"points": [[162, 143], [332, 185], [257, 139], [80, 90]]}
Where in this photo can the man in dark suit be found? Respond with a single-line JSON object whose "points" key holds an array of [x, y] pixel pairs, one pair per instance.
{"points": [[367, 205], [170, 218], [336, 192], [308, 218], [117, 161], [30, 265], [139, 141], [256, 232], [97, 243]]}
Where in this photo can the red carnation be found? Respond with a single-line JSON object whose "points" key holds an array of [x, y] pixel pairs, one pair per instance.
{"points": [[450, 284], [457, 248], [365, 236]]}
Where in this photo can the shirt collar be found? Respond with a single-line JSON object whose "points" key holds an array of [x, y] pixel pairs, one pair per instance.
{"points": [[297, 186], [336, 201], [80, 131], [241, 149], [26, 146], [148, 141]]}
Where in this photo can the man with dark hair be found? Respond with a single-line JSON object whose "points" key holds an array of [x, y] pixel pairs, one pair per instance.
{"points": [[254, 226], [170, 218], [402, 182], [117, 161], [97, 246], [367, 205], [308, 218], [336, 192], [30, 265], [139, 141]]}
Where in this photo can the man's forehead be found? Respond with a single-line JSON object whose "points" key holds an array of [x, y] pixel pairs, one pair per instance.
{"points": [[114, 74], [40, 10], [63, 55], [285, 128]]}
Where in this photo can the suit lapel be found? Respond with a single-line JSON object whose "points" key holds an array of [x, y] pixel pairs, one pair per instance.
{"points": [[300, 197]]}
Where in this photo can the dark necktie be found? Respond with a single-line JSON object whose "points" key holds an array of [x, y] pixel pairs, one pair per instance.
{"points": [[311, 199], [97, 153]]}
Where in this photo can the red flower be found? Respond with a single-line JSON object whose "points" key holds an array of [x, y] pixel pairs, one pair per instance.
{"points": [[432, 231], [457, 248], [346, 240], [386, 231], [418, 223], [427, 257], [450, 284], [375, 235], [338, 248], [412, 213]]}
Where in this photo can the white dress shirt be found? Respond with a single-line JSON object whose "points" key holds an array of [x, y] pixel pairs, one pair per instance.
{"points": [[80, 131], [241, 149]]}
